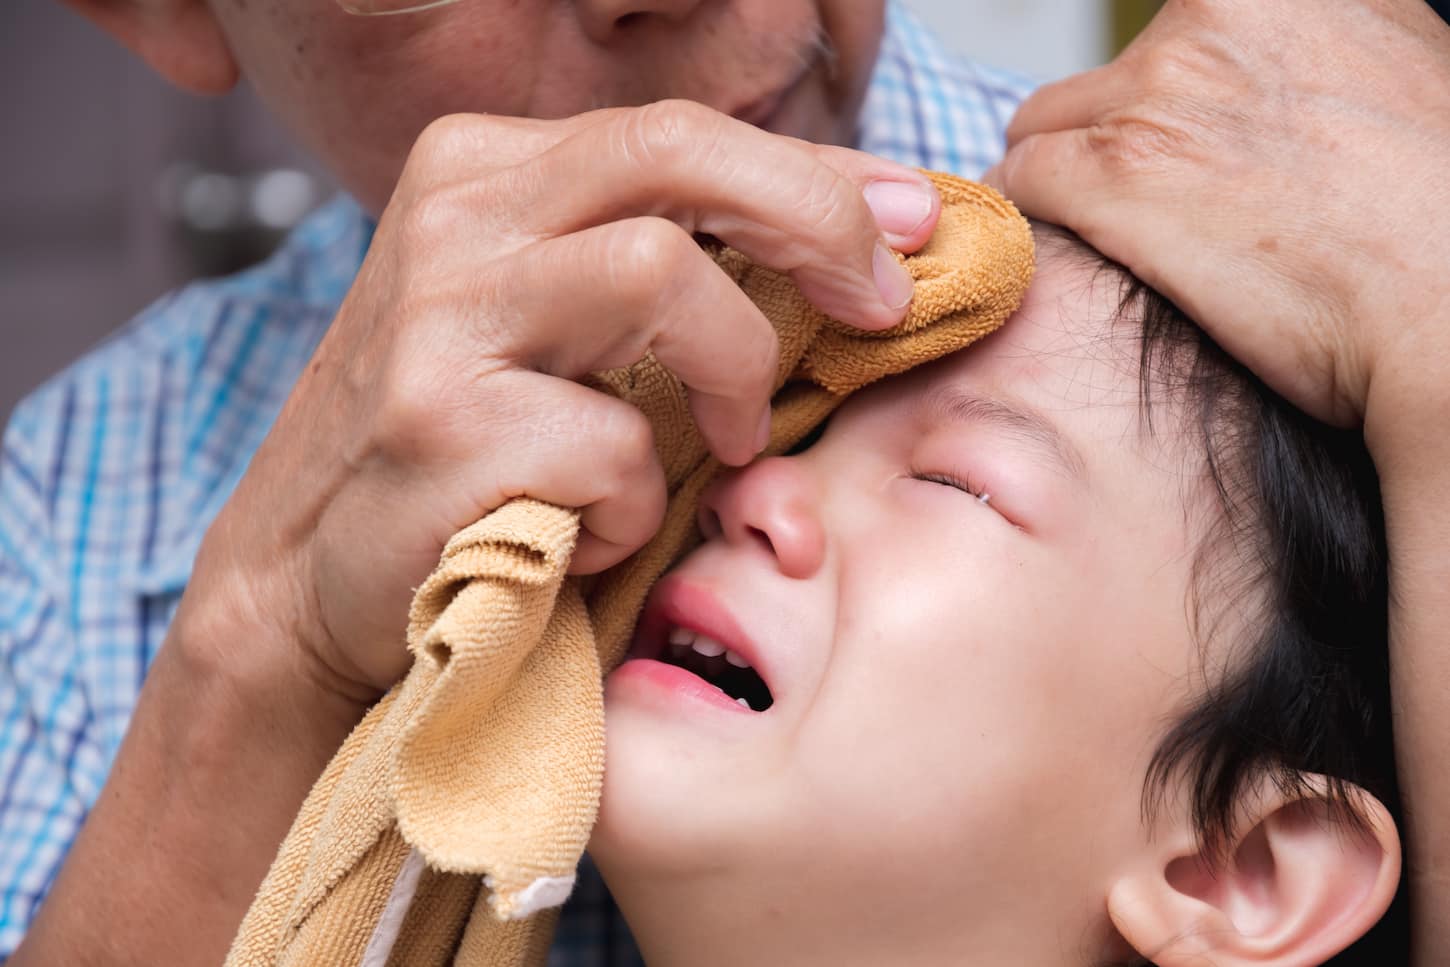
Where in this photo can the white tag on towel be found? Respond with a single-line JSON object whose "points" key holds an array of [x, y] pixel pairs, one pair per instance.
{"points": [[390, 924]]}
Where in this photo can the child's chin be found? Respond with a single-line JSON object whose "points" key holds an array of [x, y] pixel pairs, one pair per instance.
{"points": [[630, 842], [654, 820], [641, 800]]}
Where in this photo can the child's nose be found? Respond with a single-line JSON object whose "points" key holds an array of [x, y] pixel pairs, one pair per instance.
{"points": [[601, 19], [772, 504]]}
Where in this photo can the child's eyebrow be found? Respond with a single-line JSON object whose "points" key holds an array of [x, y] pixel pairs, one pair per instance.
{"points": [[957, 405]]}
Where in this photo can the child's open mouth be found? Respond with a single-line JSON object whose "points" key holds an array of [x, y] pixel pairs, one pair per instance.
{"points": [[725, 669], [687, 633]]}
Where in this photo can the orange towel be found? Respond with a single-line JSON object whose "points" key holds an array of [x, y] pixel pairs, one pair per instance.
{"points": [[448, 826]]}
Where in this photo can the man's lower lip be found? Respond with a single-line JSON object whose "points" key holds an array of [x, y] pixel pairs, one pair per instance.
{"points": [[763, 112], [662, 680]]}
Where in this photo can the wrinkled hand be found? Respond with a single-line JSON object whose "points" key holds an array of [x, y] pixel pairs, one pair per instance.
{"points": [[1279, 171], [514, 257]]}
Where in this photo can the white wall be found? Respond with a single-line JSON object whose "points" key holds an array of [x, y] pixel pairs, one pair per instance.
{"points": [[1046, 39]]}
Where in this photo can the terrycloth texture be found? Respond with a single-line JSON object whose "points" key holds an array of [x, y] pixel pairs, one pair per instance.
{"points": [[486, 760]]}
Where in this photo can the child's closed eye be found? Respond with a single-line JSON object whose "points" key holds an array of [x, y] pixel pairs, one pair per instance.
{"points": [[962, 483]]}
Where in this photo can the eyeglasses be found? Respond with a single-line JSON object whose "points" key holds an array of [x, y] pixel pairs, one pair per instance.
{"points": [[383, 8]]}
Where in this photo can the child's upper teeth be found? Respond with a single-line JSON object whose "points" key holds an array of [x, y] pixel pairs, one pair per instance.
{"points": [[704, 645], [708, 647]]}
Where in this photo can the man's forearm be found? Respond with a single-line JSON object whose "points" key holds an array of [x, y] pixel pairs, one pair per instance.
{"points": [[216, 763]]}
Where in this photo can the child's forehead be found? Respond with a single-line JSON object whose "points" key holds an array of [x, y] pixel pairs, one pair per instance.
{"points": [[1069, 344], [1069, 359]]}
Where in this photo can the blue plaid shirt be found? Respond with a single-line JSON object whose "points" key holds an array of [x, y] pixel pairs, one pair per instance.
{"points": [[112, 472]]}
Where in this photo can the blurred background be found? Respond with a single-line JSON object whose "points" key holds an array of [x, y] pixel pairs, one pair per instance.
{"points": [[115, 188]]}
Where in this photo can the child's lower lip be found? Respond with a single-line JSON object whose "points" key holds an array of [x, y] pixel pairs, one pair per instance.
{"points": [[658, 680]]}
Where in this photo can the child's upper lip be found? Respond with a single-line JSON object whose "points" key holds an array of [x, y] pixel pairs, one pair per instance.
{"points": [[677, 602]]}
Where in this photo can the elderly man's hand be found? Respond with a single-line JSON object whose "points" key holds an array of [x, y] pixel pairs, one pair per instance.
{"points": [[1277, 169], [516, 256]]}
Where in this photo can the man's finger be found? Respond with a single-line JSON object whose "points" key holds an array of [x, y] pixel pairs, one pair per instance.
{"points": [[1076, 180], [768, 196], [620, 490], [603, 297], [1074, 102], [1052, 177], [461, 148], [904, 202]]}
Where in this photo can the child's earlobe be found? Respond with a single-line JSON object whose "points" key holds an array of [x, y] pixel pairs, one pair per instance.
{"points": [[1299, 883]]}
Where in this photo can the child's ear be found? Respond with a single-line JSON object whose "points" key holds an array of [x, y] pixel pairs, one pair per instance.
{"points": [[1298, 884], [180, 39]]}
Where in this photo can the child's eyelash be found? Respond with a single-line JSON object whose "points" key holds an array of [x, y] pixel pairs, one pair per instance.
{"points": [[948, 480]]}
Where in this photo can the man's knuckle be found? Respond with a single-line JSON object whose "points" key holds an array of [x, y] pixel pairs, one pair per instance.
{"points": [[1160, 67], [671, 132], [441, 136], [432, 216], [631, 441], [410, 414], [429, 399], [649, 255], [1132, 146]]}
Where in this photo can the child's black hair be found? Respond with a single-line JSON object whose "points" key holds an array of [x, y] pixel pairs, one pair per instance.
{"points": [[1299, 548]]}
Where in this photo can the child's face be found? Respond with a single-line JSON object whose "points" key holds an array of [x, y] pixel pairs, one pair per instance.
{"points": [[966, 691]]}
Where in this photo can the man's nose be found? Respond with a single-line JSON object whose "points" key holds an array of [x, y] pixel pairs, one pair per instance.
{"points": [[771, 504], [604, 20]]}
